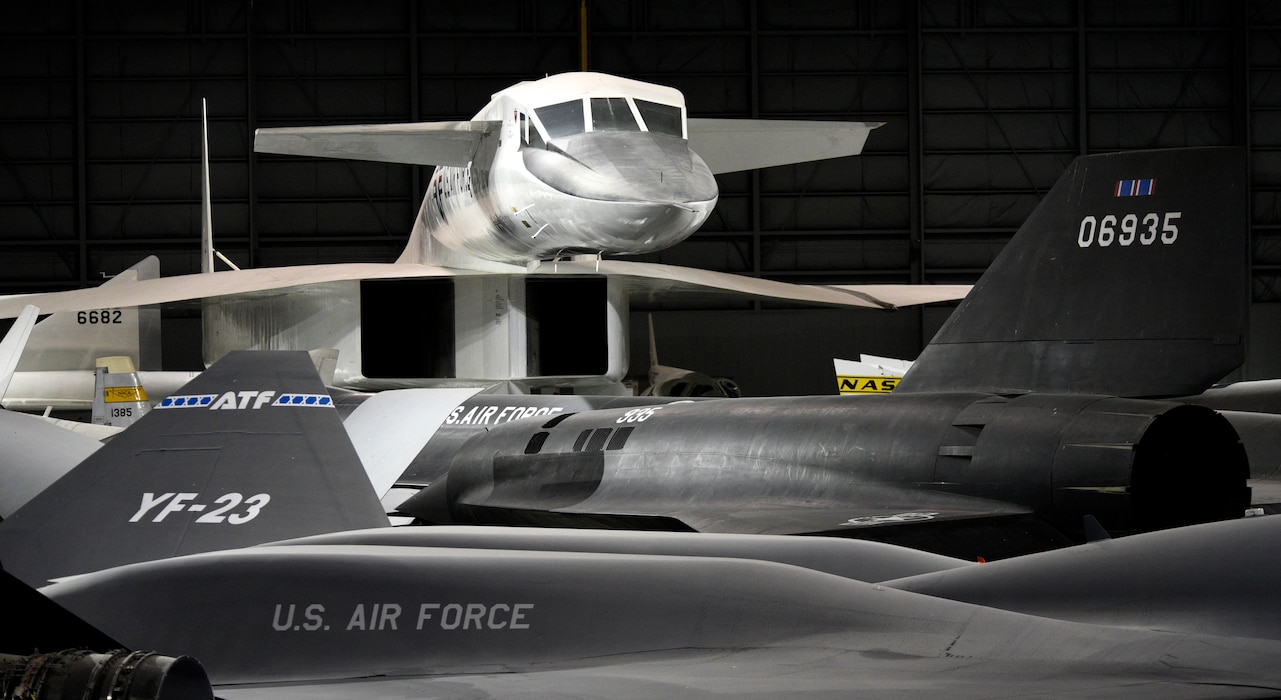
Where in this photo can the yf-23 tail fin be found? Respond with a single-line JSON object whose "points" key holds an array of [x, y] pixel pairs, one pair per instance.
{"points": [[1129, 279], [250, 451]]}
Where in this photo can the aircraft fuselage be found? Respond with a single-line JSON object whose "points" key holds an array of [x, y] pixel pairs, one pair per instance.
{"points": [[581, 163], [806, 464]]}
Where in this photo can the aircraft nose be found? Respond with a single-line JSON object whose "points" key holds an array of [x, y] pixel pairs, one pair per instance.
{"points": [[624, 166]]}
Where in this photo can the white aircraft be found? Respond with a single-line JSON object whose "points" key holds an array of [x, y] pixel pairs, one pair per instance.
{"points": [[869, 375], [665, 380], [580, 164], [573, 163], [56, 367]]}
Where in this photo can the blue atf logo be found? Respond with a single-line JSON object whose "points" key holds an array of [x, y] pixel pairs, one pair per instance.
{"points": [[196, 401], [303, 400]]}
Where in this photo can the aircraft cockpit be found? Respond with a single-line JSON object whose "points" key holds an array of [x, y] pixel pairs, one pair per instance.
{"points": [[594, 114]]}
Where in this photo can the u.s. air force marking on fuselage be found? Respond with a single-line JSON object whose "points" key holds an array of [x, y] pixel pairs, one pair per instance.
{"points": [[379, 617], [492, 415]]}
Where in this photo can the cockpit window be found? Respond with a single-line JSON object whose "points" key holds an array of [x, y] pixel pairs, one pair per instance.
{"points": [[529, 135], [612, 114], [564, 119], [664, 119], [607, 114]]}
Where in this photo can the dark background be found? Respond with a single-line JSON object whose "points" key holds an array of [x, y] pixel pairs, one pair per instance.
{"points": [[985, 103]]}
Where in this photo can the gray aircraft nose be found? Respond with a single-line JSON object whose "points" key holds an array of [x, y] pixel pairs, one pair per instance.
{"points": [[627, 166]]}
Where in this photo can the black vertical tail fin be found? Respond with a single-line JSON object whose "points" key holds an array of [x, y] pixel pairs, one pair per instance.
{"points": [[1129, 279], [250, 451]]}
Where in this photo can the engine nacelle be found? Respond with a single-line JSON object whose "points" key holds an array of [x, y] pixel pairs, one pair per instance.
{"points": [[1134, 464]]}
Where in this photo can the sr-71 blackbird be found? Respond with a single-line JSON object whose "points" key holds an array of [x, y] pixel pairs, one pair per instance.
{"points": [[159, 522], [1038, 402]]}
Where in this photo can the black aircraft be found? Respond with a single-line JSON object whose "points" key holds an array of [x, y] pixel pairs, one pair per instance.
{"points": [[490, 612], [1038, 402], [250, 451]]}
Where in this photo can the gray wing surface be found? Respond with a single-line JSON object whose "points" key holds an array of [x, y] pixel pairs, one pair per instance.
{"points": [[431, 622], [36, 454], [179, 288], [643, 280], [849, 558], [425, 143], [808, 673], [1209, 579], [732, 145]]}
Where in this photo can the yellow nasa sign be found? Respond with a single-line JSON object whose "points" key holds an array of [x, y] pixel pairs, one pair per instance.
{"points": [[866, 385], [123, 394]]}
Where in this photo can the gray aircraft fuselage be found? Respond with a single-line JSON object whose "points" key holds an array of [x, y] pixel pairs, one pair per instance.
{"points": [[843, 465]]}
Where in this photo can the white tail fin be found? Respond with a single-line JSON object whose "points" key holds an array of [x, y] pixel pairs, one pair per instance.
{"points": [[12, 345], [119, 398], [75, 339]]}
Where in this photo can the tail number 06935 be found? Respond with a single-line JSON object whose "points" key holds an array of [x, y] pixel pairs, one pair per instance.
{"points": [[1128, 229]]}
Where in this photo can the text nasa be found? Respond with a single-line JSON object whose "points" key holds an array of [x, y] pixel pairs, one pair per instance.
{"points": [[386, 616], [491, 415]]}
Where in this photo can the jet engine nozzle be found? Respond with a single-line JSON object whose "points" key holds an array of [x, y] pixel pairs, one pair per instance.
{"points": [[1134, 464], [118, 675]]}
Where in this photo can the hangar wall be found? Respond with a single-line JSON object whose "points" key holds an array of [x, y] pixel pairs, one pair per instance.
{"points": [[984, 102]]}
